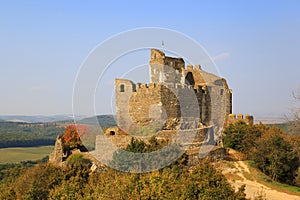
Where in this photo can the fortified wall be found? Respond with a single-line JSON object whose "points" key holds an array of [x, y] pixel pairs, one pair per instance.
{"points": [[181, 102], [143, 104], [173, 90], [232, 118]]}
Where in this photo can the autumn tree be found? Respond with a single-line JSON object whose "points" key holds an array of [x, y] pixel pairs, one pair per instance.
{"points": [[274, 155], [74, 180], [71, 137], [294, 125], [37, 182], [175, 182], [294, 140]]}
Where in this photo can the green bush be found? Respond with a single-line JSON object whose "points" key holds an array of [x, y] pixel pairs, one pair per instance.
{"points": [[78, 158]]}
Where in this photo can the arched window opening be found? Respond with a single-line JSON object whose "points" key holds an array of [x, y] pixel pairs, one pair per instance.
{"points": [[189, 79], [122, 88]]}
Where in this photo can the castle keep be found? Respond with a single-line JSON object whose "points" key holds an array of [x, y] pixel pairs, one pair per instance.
{"points": [[171, 83]]}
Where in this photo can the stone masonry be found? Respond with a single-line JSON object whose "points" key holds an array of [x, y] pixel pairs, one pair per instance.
{"points": [[183, 103], [143, 104]]}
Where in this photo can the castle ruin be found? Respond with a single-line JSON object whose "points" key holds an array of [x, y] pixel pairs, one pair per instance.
{"points": [[143, 104], [182, 104], [178, 97]]}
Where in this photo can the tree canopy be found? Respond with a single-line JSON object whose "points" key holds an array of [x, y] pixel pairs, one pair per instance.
{"points": [[274, 152]]}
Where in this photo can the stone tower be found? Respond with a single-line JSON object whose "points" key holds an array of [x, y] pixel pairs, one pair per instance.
{"points": [[143, 104], [165, 69]]}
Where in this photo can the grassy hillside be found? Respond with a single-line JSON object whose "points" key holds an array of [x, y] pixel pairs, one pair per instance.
{"points": [[16, 155]]}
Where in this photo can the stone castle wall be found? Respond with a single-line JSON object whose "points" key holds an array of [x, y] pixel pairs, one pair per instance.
{"points": [[172, 94], [232, 118], [195, 141], [177, 98], [142, 104]]}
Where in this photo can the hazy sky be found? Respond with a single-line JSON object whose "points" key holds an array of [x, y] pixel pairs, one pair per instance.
{"points": [[255, 44]]}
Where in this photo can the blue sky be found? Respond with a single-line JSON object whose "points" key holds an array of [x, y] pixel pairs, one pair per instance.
{"points": [[255, 45]]}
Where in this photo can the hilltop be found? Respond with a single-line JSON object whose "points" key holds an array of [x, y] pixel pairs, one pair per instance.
{"points": [[37, 118]]}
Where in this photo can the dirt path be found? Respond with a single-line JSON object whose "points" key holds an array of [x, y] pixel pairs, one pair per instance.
{"points": [[252, 187]]}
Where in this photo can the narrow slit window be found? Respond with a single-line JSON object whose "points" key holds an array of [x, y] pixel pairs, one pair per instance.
{"points": [[122, 88], [221, 92]]}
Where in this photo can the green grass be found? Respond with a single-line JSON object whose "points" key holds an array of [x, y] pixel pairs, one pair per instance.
{"points": [[16, 155], [285, 187], [264, 179]]}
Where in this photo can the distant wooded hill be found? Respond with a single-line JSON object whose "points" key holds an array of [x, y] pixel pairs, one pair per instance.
{"points": [[37, 118], [104, 121], [22, 134]]}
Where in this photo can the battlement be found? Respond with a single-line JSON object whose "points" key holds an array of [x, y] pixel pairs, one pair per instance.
{"points": [[233, 118], [124, 86], [182, 86], [198, 67], [148, 86], [191, 67], [144, 86]]}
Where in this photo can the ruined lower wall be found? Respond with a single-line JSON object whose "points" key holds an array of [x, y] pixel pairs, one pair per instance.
{"points": [[57, 155], [192, 140]]}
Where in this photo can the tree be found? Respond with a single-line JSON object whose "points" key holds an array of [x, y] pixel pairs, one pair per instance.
{"points": [[143, 162], [295, 142], [274, 155], [75, 178], [234, 135], [201, 182], [71, 137], [76, 181], [294, 122], [78, 158], [241, 136], [205, 182], [37, 182]]}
